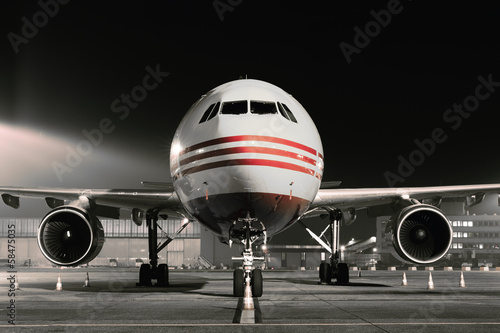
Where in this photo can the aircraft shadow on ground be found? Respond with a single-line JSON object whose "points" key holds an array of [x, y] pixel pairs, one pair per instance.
{"points": [[195, 286], [120, 286]]}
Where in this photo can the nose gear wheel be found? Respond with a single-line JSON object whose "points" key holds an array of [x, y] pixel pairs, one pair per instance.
{"points": [[248, 275]]}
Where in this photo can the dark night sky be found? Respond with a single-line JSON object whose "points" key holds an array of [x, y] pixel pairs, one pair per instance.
{"points": [[395, 90]]}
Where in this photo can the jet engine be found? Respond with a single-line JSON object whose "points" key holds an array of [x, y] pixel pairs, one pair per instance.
{"points": [[421, 234], [70, 236]]}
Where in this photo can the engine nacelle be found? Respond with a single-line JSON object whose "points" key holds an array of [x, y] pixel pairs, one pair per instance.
{"points": [[70, 236], [421, 234]]}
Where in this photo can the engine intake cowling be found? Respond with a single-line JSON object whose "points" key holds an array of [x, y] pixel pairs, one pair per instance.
{"points": [[421, 234], [70, 236]]}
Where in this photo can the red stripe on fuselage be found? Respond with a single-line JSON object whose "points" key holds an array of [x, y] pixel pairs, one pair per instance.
{"points": [[248, 161], [237, 138], [248, 150]]}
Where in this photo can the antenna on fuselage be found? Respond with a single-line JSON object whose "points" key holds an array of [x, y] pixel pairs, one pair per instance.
{"points": [[241, 77]]}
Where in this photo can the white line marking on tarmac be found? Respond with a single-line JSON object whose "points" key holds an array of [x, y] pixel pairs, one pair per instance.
{"points": [[245, 314], [263, 324], [247, 317]]}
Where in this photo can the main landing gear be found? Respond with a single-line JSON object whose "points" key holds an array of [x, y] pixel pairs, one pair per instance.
{"points": [[153, 270], [247, 276], [334, 269]]}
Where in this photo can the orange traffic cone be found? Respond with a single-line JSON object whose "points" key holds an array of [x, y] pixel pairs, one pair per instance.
{"points": [[430, 283], [462, 281], [404, 282], [87, 281], [59, 284]]}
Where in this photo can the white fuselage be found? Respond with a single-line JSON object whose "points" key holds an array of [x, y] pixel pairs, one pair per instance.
{"points": [[246, 147]]}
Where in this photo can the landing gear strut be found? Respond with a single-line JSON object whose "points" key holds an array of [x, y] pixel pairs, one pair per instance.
{"points": [[247, 275], [153, 271], [334, 269]]}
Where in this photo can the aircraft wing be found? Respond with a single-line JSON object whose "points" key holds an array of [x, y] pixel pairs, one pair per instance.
{"points": [[384, 201], [107, 201], [421, 233]]}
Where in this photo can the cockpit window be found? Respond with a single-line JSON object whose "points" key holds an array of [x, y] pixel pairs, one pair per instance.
{"points": [[206, 113], [259, 107], [283, 112], [214, 112], [210, 112], [234, 107], [287, 111]]}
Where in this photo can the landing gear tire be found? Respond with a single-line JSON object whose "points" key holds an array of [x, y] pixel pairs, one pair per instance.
{"points": [[257, 285], [145, 275], [238, 283], [162, 275], [247, 276], [343, 273], [325, 273]]}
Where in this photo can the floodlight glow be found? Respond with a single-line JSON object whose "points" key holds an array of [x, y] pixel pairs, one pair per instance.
{"points": [[27, 153]]}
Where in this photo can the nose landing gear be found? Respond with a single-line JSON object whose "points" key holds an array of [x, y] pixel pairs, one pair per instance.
{"points": [[248, 276]]}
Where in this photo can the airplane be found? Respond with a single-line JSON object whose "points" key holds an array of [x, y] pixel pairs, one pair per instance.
{"points": [[246, 162]]}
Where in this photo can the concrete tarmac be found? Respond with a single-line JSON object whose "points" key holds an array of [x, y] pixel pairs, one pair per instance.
{"points": [[293, 301]]}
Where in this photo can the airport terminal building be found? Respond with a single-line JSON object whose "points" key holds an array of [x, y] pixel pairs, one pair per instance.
{"points": [[126, 243]]}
